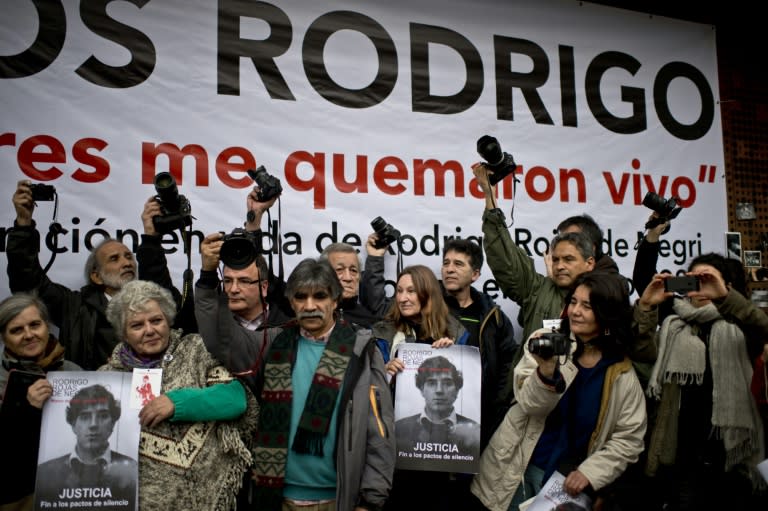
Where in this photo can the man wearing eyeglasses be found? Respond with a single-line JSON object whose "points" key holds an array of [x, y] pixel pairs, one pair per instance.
{"points": [[238, 323], [239, 315]]}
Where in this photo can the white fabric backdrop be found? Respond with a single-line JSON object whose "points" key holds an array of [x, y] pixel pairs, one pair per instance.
{"points": [[343, 165]]}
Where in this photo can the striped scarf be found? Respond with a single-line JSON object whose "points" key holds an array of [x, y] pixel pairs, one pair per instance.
{"points": [[270, 453]]}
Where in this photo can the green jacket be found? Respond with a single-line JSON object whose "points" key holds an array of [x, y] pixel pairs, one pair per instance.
{"points": [[537, 295]]}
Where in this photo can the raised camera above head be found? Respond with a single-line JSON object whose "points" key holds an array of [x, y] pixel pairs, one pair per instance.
{"points": [[240, 248], [269, 186], [176, 211], [549, 344], [385, 233], [42, 192], [667, 209], [502, 164]]}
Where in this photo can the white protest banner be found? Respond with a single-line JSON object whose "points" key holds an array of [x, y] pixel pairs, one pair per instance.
{"points": [[361, 109]]}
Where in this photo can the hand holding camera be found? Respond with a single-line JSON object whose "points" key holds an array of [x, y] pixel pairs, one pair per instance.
{"points": [[549, 344], [175, 209], [385, 233], [546, 349], [266, 191], [210, 250], [23, 203], [666, 210], [501, 164], [711, 284], [681, 285]]}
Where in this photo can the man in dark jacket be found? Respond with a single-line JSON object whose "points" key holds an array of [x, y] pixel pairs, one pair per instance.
{"points": [[345, 261], [79, 314]]}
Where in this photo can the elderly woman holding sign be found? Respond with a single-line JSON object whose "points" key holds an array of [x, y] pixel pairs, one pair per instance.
{"points": [[30, 352], [193, 451]]}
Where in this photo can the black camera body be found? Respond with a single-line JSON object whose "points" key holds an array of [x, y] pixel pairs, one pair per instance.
{"points": [[385, 232], [549, 344], [269, 186], [240, 248], [667, 209], [176, 211], [681, 285], [502, 164], [42, 192]]}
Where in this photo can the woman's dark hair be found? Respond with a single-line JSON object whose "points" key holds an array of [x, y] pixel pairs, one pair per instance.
{"points": [[87, 397], [610, 305], [717, 261]]}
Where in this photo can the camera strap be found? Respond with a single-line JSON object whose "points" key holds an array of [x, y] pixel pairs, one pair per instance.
{"points": [[399, 264], [278, 240], [54, 229]]}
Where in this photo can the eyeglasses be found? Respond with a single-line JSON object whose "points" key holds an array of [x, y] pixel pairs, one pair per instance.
{"points": [[241, 282]]}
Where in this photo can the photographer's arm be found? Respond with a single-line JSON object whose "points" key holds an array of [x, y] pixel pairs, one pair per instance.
{"points": [[23, 204], [539, 383], [511, 267], [645, 318], [22, 248], [647, 256], [255, 210], [153, 265], [235, 347], [372, 282]]}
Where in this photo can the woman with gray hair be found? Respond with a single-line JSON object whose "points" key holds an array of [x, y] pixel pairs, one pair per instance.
{"points": [[30, 351], [203, 415]]}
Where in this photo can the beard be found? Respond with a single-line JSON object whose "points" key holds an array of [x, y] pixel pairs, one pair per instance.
{"points": [[114, 280]]}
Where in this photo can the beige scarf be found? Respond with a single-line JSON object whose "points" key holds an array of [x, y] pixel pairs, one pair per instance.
{"points": [[682, 361]]}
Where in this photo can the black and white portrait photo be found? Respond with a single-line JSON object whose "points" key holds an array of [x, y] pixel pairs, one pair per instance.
{"points": [[437, 413], [89, 443]]}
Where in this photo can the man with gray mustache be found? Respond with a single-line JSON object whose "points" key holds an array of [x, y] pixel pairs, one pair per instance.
{"points": [[326, 425]]}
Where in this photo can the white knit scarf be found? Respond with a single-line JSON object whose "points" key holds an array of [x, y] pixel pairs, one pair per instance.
{"points": [[682, 360]]}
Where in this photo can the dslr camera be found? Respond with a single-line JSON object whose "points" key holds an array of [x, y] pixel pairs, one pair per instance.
{"points": [[385, 232], [240, 248], [549, 344], [502, 164], [42, 192], [269, 186], [667, 209], [176, 211]]}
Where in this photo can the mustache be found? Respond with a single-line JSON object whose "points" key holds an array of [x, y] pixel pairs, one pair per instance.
{"points": [[308, 315]]}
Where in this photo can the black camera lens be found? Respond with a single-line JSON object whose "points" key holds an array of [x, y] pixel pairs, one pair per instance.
{"points": [[655, 202], [385, 233], [239, 249], [549, 344], [269, 186], [500, 163], [378, 224], [176, 211], [167, 192], [490, 150], [666, 209]]}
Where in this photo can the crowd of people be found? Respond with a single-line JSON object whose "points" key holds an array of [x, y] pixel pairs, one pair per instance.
{"points": [[280, 393]]}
